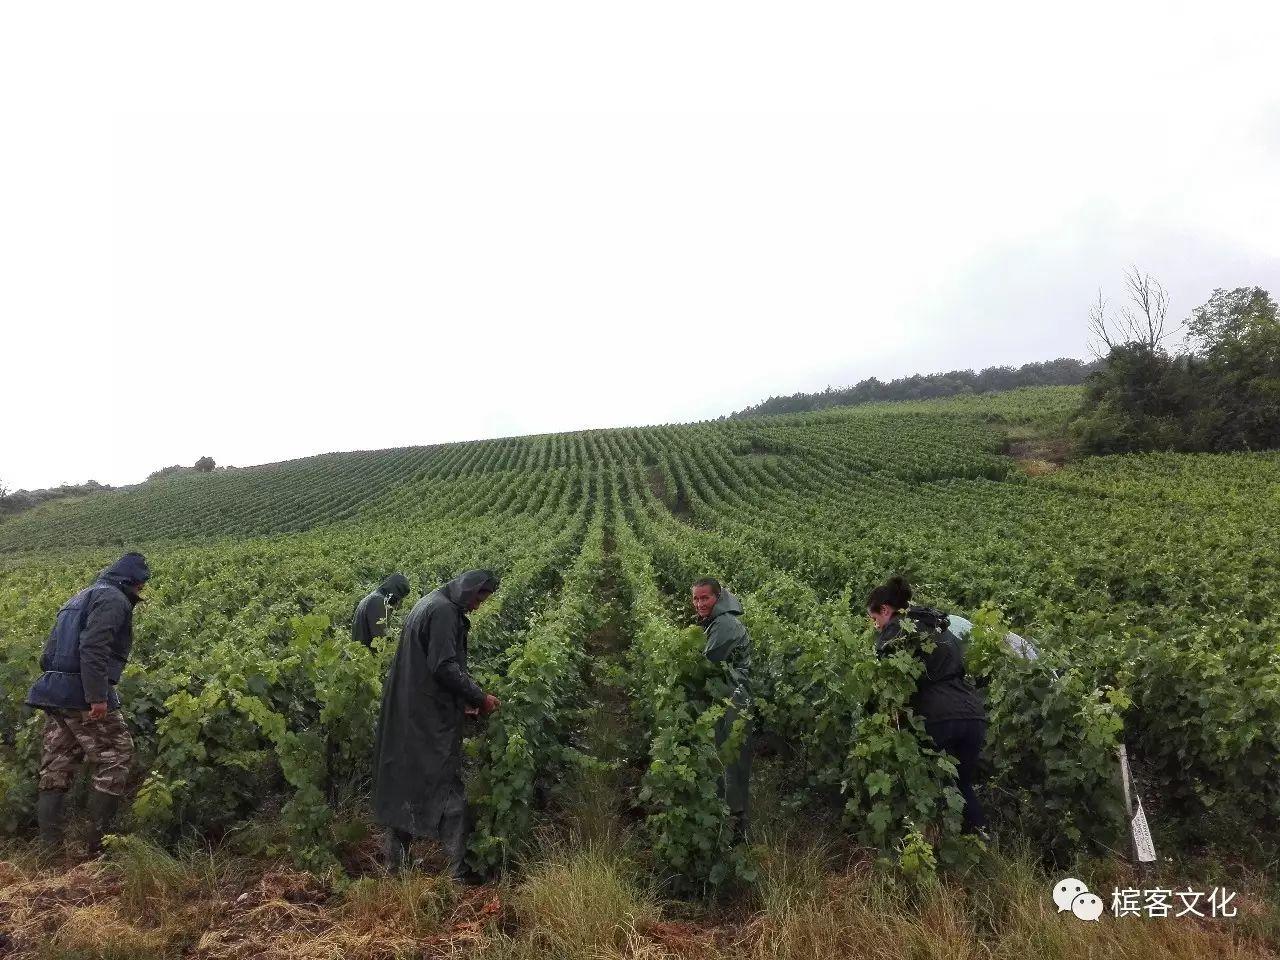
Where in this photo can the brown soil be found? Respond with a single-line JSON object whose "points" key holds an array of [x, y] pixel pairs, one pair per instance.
{"points": [[658, 483], [678, 505], [281, 913], [1051, 451]]}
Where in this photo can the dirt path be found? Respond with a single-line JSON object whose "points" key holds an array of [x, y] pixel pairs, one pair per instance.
{"points": [[604, 800]]}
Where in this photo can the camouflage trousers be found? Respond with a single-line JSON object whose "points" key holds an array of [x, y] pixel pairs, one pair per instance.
{"points": [[70, 739]]}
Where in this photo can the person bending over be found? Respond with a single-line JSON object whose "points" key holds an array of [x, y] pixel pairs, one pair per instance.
{"points": [[953, 713]]}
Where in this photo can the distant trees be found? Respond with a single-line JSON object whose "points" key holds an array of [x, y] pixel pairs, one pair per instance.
{"points": [[15, 501], [1221, 391], [1236, 369], [203, 465], [1065, 371]]}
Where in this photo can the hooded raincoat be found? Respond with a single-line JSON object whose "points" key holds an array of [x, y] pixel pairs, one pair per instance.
{"points": [[418, 753], [943, 692], [729, 645], [90, 642], [370, 620], [953, 712]]}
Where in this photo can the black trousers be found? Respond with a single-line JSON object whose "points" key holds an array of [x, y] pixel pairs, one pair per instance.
{"points": [[963, 740]]}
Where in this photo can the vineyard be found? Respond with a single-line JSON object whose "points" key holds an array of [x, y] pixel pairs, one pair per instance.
{"points": [[1150, 584]]}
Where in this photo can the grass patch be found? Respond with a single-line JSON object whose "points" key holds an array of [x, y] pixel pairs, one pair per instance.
{"points": [[1001, 909], [581, 902], [100, 933], [153, 880], [584, 892], [414, 905]]}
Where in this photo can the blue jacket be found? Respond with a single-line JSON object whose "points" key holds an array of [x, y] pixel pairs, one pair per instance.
{"points": [[90, 642]]}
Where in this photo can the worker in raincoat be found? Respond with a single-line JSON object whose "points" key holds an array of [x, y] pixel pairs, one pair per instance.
{"points": [[83, 659], [729, 645], [418, 789], [370, 620], [953, 712]]}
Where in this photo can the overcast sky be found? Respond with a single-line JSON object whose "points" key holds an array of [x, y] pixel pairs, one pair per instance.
{"points": [[259, 231]]}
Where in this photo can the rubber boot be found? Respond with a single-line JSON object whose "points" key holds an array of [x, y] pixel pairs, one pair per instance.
{"points": [[102, 810], [395, 851], [51, 815], [454, 832]]}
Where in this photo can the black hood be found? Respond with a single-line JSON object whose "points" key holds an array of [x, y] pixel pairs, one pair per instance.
{"points": [[395, 588], [924, 620], [928, 619], [131, 570], [462, 589]]}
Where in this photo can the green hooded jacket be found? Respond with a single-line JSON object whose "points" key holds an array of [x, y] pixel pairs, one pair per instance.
{"points": [[729, 644]]}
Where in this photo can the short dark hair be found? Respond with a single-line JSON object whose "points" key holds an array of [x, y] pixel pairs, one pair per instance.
{"points": [[894, 592], [711, 582]]}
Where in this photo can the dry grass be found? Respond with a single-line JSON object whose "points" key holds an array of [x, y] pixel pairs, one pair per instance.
{"points": [[1038, 468], [143, 903], [1001, 911], [581, 900], [378, 918], [99, 932]]}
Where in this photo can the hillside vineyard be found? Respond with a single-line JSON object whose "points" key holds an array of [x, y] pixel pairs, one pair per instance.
{"points": [[1151, 585]]}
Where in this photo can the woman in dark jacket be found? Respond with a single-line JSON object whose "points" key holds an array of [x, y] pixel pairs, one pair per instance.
{"points": [[952, 710]]}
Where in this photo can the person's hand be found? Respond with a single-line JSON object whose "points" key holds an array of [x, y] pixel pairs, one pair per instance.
{"points": [[96, 711], [471, 711], [491, 703]]}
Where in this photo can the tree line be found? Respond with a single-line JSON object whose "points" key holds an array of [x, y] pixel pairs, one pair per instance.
{"points": [[1065, 371], [15, 501]]}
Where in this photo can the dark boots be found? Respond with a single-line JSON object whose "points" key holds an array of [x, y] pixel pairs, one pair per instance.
{"points": [[51, 815], [455, 830], [102, 811], [395, 851]]}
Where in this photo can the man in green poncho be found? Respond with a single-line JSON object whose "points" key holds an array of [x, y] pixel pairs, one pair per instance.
{"points": [[417, 767], [729, 645], [370, 620]]}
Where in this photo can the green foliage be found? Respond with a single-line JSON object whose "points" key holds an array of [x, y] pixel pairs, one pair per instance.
{"points": [[688, 824], [1147, 581], [541, 685], [177, 504], [1234, 324], [1053, 740], [1206, 712], [1223, 396], [893, 777], [1137, 402]]}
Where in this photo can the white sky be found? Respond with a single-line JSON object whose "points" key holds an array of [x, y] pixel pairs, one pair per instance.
{"points": [[261, 230]]}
